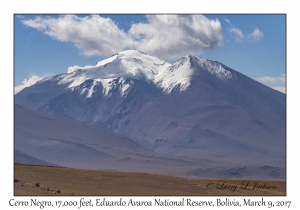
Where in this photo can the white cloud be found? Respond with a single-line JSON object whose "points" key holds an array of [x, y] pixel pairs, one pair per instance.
{"points": [[169, 36], [19, 16], [93, 35], [256, 34], [281, 89], [228, 21], [268, 79], [164, 36], [277, 83], [27, 82], [74, 68], [239, 35]]}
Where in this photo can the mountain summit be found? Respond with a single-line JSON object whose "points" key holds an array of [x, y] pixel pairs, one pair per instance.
{"points": [[134, 64], [194, 107]]}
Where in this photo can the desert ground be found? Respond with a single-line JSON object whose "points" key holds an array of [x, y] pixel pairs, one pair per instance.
{"points": [[58, 181]]}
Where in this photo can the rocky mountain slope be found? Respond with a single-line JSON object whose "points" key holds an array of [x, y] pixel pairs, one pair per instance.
{"points": [[53, 139]]}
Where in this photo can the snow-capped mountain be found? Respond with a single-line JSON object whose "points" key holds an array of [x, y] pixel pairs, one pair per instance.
{"points": [[133, 64], [194, 107]]}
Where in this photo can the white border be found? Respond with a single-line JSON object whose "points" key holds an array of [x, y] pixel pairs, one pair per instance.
{"points": [[8, 8]]}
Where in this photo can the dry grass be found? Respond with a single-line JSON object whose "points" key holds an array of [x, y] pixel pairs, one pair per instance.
{"points": [[95, 182]]}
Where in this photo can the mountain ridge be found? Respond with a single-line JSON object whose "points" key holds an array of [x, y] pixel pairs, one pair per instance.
{"points": [[54, 139]]}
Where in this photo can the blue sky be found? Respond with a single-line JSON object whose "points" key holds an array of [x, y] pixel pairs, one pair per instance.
{"points": [[254, 45]]}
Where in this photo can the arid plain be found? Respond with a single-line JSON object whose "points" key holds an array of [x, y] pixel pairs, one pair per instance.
{"points": [[44, 180]]}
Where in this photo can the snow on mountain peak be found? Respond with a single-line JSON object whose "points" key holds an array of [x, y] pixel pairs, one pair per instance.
{"points": [[212, 67], [181, 72], [127, 64], [138, 65]]}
